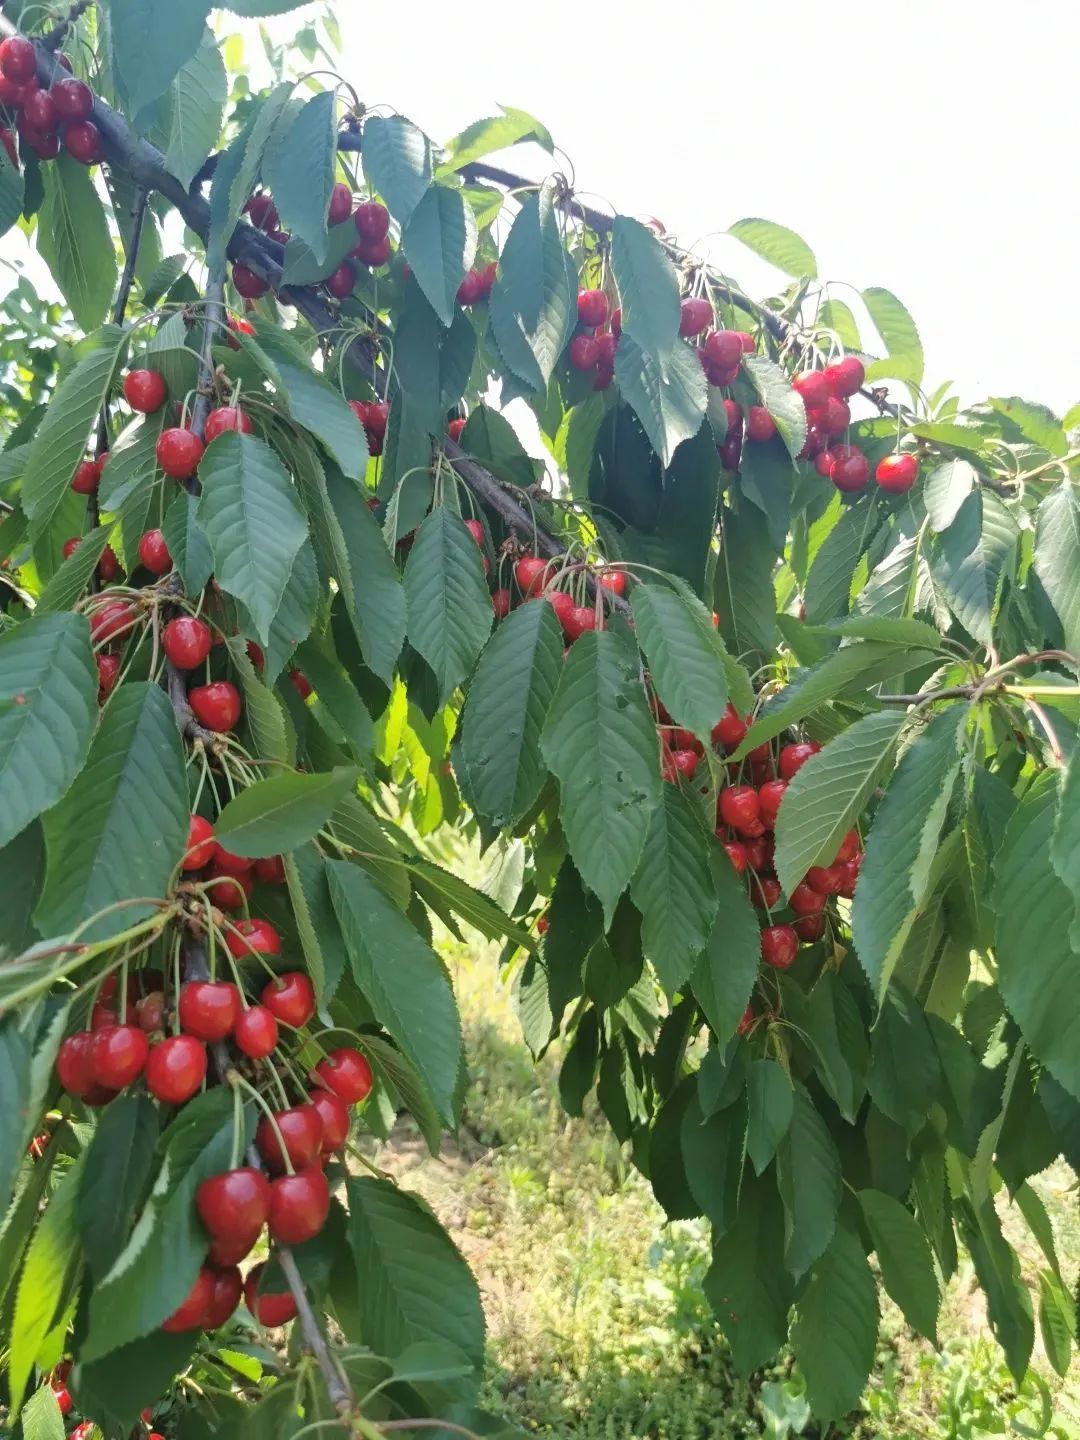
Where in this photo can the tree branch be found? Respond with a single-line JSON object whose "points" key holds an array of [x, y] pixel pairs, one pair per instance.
{"points": [[55, 38], [213, 312]]}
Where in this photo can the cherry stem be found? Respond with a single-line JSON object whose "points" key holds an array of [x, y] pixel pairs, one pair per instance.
{"points": [[233, 1077]]}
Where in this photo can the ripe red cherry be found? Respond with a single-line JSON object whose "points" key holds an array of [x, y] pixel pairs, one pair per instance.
{"points": [[615, 581], [154, 553], [835, 417], [300, 683], [201, 845], [73, 1063], [579, 619], [372, 253], [110, 620], [299, 1205], [500, 603], [178, 452], [144, 390], [372, 220], [18, 59], [823, 463], [228, 1287], [238, 327], [176, 1068], [340, 204], [150, 1012], [247, 283], [736, 853], [897, 473], [290, 998], [83, 1430], [118, 1055], [851, 875], [335, 1117], [269, 1310], [208, 1009], [471, 289], [723, 349], [826, 879], [760, 425], [63, 1396], [346, 1072], [779, 946], [230, 864], [583, 353], [341, 281], [849, 470], [70, 546], [39, 111], [230, 1252], [812, 386], [187, 641], [729, 729], [190, 1315], [377, 418], [531, 574], [108, 668], [226, 417], [455, 428], [476, 530], [849, 847], [739, 808], [257, 936], [270, 870], [262, 212], [845, 377], [301, 1131], [606, 345], [230, 891], [764, 891], [82, 140], [73, 99], [108, 566], [216, 706], [235, 1203], [759, 852], [805, 900], [679, 762], [256, 1032], [810, 927], [769, 798], [695, 315], [794, 757], [592, 307]]}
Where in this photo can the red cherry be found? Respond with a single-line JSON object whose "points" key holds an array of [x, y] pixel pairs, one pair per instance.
{"points": [[723, 349], [12, 96], [826, 879], [487, 278], [372, 220], [794, 757], [679, 762], [118, 1055], [614, 580], [176, 1068], [746, 1021], [208, 1009], [18, 58], [73, 1063], [583, 353], [234, 1203], [190, 1315], [695, 315], [805, 900], [823, 463], [108, 566], [346, 1072], [73, 99], [230, 1252], [216, 706], [739, 808], [187, 641], [378, 416], [340, 282], [39, 111], [729, 729], [815, 443], [471, 289], [63, 1396], [179, 452], [340, 204], [110, 620], [592, 307], [850, 469], [255, 936], [300, 683], [580, 619], [896, 474], [455, 428], [760, 425], [764, 891], [531, 574], [154, 554], [299, 1205], [851, 875], [256, 1032], [70, 546], [290, 998], [262, 212], [812, 387], [301, 1131], [230, 891], [82, 140], [103, 1016], [225, 417], [238, 327], [145, 391], [836, 416], [372, 253], [849, 847], [335, 1117], [476, 530], [83, 1431], [247, 283], [736, 852], [228, 1287], [150, 1012], [769, 798], [7, 139], [779, 946], [270, 870], [230, 864], [845, 377], [108, 668], [606, 345], [269, 1310], [759, 852], [809, 928], [201, 845]]}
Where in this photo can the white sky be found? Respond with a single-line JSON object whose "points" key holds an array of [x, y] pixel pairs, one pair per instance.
{"points": [[928, 146]]}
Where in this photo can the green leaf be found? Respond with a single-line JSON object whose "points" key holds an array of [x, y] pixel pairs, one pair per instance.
{"points": [[1035, 422], [263, 712], [48, 709], [1057, 1323], [276, 815], [197, 98], [41, 1417], [946, 488], [747, 1289], [905, 1073], [151, 40], [15, 1080], [22, 864], [830, 792], [337, 694], [673, 889], [132, 464], [60, 442], [997, 1266], [810, 1183], [496, 132], [397, 161], [837, 317], [907, 1266], [402, 979], [11, 193], [490, 438], [295, 615], [902, 844], [250, 511], [685, 655], [404, 1077], [724, 977], [450, 613], [834, 1333], [778, 245], [532, 309], [666, 391], [897, 330], [600, 741], [713, 1152], [1038, 970], [188, 543], [473, 906], [771, 1101], [238, 168], [378, 606], [497, 758], [412, 1284], [1065, 846], [971, 560], [115, 1174], [775, 392], [73, 239], [440, 243], [1057, 558], [113, 837], [744, 597], [648, 286], [311, 400], [299, 168]]}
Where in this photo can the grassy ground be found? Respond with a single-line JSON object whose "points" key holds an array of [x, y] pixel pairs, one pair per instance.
{"points": [[598, 1327]]}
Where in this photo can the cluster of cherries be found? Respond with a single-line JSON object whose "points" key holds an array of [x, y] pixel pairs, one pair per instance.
{"points": [[374, 415], [825, 394], [46, 119], [57, 1383], [592, 349], [477, 285]]}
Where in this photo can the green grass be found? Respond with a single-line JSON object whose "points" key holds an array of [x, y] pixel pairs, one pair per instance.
{"points": [[598, 1327]]}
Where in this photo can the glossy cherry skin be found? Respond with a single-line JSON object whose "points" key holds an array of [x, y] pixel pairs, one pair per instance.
{"points": [[299, 1205], [769, 798], [759, 852], [377, 418], [108, 668], [740, 808], [845, 377], [372, 253], [262, 212], [256, 1032], [340, 204], [827, 879], [592, 307], [729, 729], [18, 59], [723, 349], [851, 875], [531, 574], [247, 283], [471, 289], [695, 315], [300, 683], [301, 1130], [73, 99], [231, 1252], [178, 452], [208, 1009], [201, 845], [736, 853], [269, 1310], [811, 385], [760, 426], [150, 1012], [835, 416], [231, 864], [217, 706], [810, 927], [39, 111], [73, 1063], [849, 470], [290, 998], [86, 477], [679, 762], [615, 581], [63, 1396], [257, 936], [372, 220], [82, 140], [108, 566], [746, 1021], [765, 891], [583, 353], [896, 474], [805, 900], [849, 847], [335, 1116], [229, 891], [226, 417], [110, 620], [794, 757], [270, 870], [187, 641], [455, 428], [190, 1315], [118, 1055], [580, 619], [501, 601], [779, 946], [228, 1287], [234, 1204], [346, 1072], [341, 281], [145, 391], [154, 553]]}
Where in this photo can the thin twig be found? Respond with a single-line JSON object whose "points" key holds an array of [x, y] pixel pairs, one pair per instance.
{"points": [[213, 320], [55, 38]]}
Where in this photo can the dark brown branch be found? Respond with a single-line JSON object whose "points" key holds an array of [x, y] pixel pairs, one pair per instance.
{"points": [[186, 723], [55, 38], [213, 313]]}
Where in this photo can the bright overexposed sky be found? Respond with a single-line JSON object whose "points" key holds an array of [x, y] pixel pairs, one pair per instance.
{"points": [[928, 146]]}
